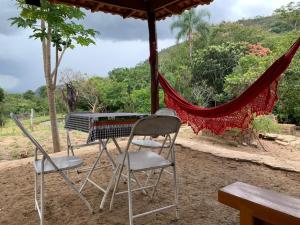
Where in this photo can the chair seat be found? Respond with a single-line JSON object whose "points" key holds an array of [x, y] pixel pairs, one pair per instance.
{"points": [[63, 163], [144, 160], [147, 143]]}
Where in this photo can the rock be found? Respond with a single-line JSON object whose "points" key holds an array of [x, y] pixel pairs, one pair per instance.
{"points": [[282, 142], [254, 144], [268, 136], [287, 128], [286, 138], [296, 144]]}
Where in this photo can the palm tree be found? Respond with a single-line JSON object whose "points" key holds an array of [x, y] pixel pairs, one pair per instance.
{"points": [[191, 23]]}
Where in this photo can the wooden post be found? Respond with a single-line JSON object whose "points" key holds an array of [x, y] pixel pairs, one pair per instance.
{"points": [[31, 118], [153, 60]]}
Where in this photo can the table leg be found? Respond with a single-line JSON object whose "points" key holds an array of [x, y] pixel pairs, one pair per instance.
{"points": [[92, 170], [117, 145]]}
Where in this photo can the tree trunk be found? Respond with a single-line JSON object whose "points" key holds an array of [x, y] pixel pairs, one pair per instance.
{"points": [[46, 46], [53, 119], [153, 60], [190, 47]]}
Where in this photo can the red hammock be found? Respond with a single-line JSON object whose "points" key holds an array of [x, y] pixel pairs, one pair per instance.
{"points": [[258, 99]]}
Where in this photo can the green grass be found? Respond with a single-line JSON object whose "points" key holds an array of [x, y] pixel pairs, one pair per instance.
{"points": [[10, 128]]}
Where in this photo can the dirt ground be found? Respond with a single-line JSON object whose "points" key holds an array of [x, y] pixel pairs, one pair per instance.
{"points": [[200, 177], [18, 146], [264, 147]]}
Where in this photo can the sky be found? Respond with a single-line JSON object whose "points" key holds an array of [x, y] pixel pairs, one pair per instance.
{"points": [[121, 43]]}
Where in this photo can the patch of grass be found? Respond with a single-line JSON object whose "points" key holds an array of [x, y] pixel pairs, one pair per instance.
{"points": [[10, 128], [15, 154]]}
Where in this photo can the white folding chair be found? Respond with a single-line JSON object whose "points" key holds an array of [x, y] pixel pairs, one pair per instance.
{"points": [[148, 160], [150, 142], [49, 165]]}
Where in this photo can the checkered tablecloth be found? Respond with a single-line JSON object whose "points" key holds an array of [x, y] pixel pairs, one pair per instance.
{"points": [[102, 125]]}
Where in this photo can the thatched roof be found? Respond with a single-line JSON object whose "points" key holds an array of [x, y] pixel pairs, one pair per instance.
{"points": [[136, 8]]}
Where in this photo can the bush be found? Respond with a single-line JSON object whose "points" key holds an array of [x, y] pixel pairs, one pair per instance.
{"points": [[266, 124]]}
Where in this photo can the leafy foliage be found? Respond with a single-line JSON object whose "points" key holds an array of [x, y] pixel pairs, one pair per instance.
{"points": [[249, 68], [53, 24], [288, 108], [191, 24], [29, 95], [60, 18], [214, 63], [236, 32], [289, 17], [266, 124], [2, 117]]}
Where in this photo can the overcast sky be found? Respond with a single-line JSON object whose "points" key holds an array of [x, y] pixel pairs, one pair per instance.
{"points": [[122, 43]]}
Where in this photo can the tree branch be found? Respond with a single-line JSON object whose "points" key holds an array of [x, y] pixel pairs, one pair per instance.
{"points": [[48, 58], [57, 63], [44, 46]]}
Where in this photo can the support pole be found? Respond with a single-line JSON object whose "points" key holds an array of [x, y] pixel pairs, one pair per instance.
{"points": [[153, 61]]}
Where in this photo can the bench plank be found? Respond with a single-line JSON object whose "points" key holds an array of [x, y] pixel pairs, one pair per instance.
{"points": [[268, 206]]}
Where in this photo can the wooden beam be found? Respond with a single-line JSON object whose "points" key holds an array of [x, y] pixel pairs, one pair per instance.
{"points": [[153, 61], [156, 5], [33, 2], [130, 13], [130, 5]]}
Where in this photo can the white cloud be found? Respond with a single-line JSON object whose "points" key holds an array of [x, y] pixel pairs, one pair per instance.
{"points": [[22, 57], [105, 55], [238, 9], [8, 82]]}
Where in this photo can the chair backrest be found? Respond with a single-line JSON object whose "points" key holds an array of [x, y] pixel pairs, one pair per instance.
{"points": [[166, 112], [29, 136], [156, 125]]}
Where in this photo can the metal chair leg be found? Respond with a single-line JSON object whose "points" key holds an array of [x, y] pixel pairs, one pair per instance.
{"points": [[130, 199], [109, 186], [42, 198], [120, 166], [72, 186], [157, 181], [35, 190], [176, 192], [139, 184]]}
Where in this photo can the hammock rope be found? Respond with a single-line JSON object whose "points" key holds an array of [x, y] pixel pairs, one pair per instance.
{"points": [[258, 99]]}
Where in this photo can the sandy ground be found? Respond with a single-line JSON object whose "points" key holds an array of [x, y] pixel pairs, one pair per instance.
{"points": [[200, 177], [16, 147], [265, 147]]}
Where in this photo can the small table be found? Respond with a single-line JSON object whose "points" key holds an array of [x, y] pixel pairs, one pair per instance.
{"points": [[101, 127]]}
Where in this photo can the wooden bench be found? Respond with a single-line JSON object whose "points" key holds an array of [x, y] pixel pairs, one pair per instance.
{"points": [[259, 206]]}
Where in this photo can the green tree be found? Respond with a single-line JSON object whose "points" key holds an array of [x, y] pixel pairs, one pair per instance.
{"points": [[30, 95], [1, 95], [53, 24], [85, 88], [288, 107], [249, 68], [214, 63], [289, 17], [236, 32], [1, 106], [41, 92], [189, 24]]}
